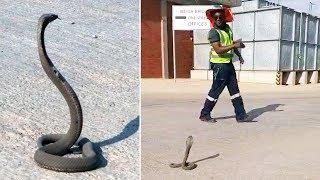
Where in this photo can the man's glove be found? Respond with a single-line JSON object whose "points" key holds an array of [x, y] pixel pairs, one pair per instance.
{"points": [[241, 60], [239, 44]]}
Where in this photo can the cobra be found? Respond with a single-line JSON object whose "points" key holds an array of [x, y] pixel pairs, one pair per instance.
{"points": [[53, 147], [186, 165]]}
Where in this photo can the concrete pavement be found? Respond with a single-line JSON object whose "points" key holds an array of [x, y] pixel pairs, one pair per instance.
{"points": [[96, 48], [282, 144]]}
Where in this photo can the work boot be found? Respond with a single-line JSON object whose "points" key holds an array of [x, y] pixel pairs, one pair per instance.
{"points": [[207, 118], [239, 110], [206, 110], [242, 118]]}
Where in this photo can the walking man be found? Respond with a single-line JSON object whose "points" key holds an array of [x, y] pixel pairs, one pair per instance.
{"points": [[222, 51]]}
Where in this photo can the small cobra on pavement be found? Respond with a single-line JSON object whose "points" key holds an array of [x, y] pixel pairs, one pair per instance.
{"points": [[186, 165]]}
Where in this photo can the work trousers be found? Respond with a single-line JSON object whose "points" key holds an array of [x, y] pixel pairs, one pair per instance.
{"points": [[224, 75]]}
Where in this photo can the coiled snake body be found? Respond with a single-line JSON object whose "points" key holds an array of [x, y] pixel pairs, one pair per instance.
{"points": [[53, 147]]}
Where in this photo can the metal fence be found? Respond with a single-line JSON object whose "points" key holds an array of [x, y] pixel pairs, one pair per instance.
{"points": [[276, 38]]}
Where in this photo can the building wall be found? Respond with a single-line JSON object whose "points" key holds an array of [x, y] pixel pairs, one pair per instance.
{"points": [[184, 49], [151, 64], [184, 53], [151, 59]]}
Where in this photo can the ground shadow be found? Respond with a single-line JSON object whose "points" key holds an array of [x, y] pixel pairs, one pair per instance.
{"points": [[131, 128], [210, 157], [253, 114], [176, 165]]}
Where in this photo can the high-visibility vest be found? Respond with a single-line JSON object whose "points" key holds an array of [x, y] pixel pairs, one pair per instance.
{"points": [[226, 39]]}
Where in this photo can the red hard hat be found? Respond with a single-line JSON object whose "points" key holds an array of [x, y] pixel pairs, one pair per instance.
{"points": [[227, 14]]}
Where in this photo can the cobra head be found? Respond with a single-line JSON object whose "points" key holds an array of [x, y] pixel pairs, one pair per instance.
{"points": [[189, 141], [45, 19]]}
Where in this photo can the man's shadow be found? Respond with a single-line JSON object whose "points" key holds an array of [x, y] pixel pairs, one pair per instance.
{"points": [[253, 114], [131, 128]]}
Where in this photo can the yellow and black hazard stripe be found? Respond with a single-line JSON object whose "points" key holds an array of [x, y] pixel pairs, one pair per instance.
{"points": [[278, 78]]}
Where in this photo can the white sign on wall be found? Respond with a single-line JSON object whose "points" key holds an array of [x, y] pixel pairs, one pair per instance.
{"points": [[190, 17]]}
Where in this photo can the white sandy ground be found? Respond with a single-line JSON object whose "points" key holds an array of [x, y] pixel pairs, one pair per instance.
{"points": [[282, 144], [103, 71]]}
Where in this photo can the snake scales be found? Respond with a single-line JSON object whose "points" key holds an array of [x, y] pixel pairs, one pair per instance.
{"points": [[53, 147]]}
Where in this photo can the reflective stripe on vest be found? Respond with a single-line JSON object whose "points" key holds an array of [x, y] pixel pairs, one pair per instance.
{"points": [[225, 40]]}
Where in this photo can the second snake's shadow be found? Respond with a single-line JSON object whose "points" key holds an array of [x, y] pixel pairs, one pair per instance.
{"points": [[254, 113], [203, 159], [131, 128]]}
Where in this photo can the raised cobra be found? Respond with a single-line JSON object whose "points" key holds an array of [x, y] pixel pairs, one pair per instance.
{"points": [[53, 147], [186, 165]]}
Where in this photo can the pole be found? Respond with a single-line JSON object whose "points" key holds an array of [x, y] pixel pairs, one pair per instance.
{"points": [[164, 40], [174, 56]]}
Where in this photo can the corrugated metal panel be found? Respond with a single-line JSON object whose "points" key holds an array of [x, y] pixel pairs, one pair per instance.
{"points": [[287, 30], [267, 24], [296, 56], [287, 51], [200, 36], [318, 58], [243, 26], [303, 27], [246, 6], [201, 56], [310, 58], [266, 55], [311, 35], [297, 26], [318, 30], [247, 54], [301, 56]]}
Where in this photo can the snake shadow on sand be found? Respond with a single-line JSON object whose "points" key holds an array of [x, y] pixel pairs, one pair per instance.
{"points": [[254, 113], [131, 128], [203, 159]]}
